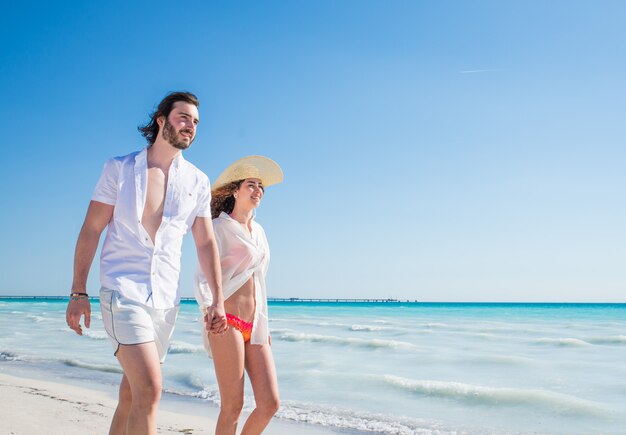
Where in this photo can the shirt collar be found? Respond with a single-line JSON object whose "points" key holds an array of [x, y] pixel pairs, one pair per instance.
{"points": [[224, 215], [142, 156], [178, 161]]}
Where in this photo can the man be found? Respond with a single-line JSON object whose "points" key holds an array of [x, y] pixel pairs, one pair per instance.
{"points": [[148, 200]]}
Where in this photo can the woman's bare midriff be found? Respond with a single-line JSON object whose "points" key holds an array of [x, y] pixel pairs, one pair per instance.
{"points": [[242, 303]]}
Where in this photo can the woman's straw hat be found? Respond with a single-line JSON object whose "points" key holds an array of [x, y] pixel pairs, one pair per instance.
{"points": [[263, 168]]}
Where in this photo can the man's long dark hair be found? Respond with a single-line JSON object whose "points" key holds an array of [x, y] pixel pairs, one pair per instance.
{"points": [[151, 130]]}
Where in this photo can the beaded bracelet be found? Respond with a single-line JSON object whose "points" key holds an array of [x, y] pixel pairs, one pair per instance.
{"points": [[77, 296]]}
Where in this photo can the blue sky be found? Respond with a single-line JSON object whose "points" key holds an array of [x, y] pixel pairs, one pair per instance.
{"points": [[438, 151]]}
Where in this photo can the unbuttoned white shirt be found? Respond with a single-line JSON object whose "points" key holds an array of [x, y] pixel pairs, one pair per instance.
{"points": [[243, 254], [130, 262]]}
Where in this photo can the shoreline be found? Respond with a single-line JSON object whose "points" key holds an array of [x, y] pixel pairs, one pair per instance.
{"points": [[78, 407]]}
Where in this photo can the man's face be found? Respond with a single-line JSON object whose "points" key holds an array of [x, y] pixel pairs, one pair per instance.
{"points": [[180, 126]]}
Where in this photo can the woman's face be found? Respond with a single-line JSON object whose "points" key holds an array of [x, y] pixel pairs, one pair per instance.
{"points": [[250, 193]]}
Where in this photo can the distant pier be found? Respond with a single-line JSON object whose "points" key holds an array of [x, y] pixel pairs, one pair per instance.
{"points": [[189, 299], [391, 301]]}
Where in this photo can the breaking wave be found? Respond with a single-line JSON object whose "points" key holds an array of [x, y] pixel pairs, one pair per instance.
{"points": [[562, 342], [99, 367], [183, 347], [358, 342], [492, 396]]}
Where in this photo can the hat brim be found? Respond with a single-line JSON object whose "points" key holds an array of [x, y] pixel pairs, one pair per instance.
{"points": [[263, 168]]}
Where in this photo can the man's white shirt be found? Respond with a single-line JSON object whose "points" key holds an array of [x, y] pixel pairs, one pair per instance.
{"points": [[130, 262]]}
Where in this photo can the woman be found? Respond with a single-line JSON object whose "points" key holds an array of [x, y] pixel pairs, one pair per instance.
{"points": [[244, 257]]}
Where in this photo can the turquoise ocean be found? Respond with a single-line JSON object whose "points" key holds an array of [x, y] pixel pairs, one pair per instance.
{"points": [[384, 368]]}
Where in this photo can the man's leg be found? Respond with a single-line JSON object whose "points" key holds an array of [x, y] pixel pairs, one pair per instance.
{"points": [[142, 369], [120, 418]]}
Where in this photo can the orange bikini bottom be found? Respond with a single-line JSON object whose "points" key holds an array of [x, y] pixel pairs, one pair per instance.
{"points": [[241, 325]]}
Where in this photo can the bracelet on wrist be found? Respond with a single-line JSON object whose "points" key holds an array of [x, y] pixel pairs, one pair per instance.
{"points": [[78, 296]]}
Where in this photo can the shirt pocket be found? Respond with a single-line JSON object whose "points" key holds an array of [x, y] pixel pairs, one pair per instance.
{"points": [[184, 203]]}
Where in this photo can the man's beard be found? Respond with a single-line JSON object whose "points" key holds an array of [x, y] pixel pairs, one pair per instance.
{"points": [[170, 135]]}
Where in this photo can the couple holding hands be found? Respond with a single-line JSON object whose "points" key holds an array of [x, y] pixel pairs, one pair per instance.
{"points": [[148, 200]]}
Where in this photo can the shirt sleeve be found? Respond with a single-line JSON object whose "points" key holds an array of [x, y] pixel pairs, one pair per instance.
{"points": [[202, 292], [219, 234], [266, 245], [106, 189], [204, 201]]}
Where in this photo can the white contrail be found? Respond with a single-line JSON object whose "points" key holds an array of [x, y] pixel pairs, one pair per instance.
{"points": [[473, 71]]}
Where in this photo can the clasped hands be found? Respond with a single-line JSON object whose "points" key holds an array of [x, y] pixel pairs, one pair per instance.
{"points": [[215, 319]]}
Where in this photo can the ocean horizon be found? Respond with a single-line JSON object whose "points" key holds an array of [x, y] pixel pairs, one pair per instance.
{"points": [[381, 300], [386, 367]]}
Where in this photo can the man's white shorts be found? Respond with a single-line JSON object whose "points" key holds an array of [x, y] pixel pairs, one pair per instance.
{"points": [[129, 322]]}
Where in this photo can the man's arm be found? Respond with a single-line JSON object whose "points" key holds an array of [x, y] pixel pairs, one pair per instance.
{"points": [[98, 216], [209, 258]]}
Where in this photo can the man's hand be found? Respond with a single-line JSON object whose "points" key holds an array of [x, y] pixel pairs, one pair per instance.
{"points": [[98, 216], [209, 259], [215, 319], [76, 309]]}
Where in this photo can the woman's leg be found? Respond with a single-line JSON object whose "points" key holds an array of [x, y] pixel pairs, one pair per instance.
{"points": [[262, 374], [228, 358]]}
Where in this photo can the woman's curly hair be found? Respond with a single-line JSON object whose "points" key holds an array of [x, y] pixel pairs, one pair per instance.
{"points": [[222, 199]]}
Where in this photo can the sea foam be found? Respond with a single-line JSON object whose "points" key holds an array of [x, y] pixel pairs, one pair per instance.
{"points": [[358, 342], [95, 335], [616, 339], [90, 366], [6, 355], [183, 347], [350, 420], [504, 360], [37, 319], [562, 342], [481, 395], [366, 328]]}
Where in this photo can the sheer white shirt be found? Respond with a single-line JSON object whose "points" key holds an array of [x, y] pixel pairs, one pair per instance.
{"points": [[243, 254]]}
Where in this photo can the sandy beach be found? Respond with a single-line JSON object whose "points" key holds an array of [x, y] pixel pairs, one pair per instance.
{"points": [[31, 406]]}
